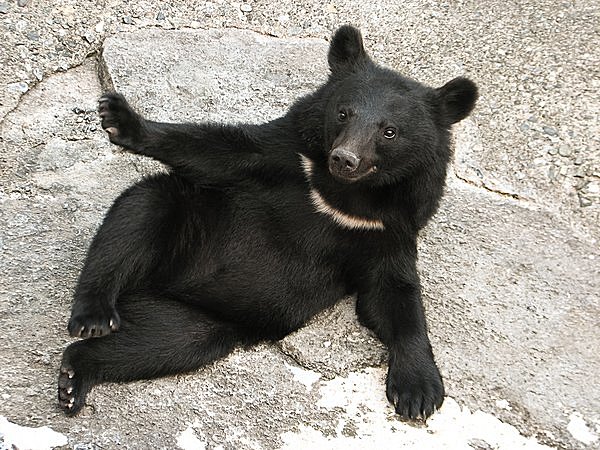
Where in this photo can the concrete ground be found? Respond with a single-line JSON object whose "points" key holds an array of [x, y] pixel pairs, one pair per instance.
{"points": [[510, 264]]}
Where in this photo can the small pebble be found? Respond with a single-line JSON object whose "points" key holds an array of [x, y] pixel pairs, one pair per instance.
{"points": [[21, 86], [593, 188], [584, 201], [160, 16], [38, 74], [33, 36], [3, 8], [578, 161], [564, 150], [21, 26], [533, 144], [23, 2], [245, 7], [89, 36], [580, 172], [550, 131], [127, 20], [581, 183]]}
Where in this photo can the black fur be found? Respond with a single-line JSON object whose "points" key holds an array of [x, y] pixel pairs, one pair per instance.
{"points": [[229, 248]]}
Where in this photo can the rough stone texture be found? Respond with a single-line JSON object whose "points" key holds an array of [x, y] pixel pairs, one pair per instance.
{"points": [[213, 75], [335, 344], [511, 286], [536, 122], [537, 63], [512, 296]]}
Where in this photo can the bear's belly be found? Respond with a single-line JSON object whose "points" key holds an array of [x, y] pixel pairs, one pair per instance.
{"points": [[270, 295], [268, 266]]}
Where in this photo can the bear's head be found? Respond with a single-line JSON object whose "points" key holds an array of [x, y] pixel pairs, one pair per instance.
{"points": [[376, 126]]}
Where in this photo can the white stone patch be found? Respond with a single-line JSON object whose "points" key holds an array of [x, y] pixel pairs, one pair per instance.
{"points": [[306, 377], [25, 438], [188, 440], [579, 430], [368, 421], [503, 404]]}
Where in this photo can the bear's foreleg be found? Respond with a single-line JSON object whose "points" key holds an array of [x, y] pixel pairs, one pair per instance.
{"points": [[392, 308], [202, 150]]}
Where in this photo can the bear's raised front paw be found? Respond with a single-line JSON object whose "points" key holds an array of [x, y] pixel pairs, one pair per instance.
{"points": [[71, 390], [415, 393], [119, 120], [93, 323]]}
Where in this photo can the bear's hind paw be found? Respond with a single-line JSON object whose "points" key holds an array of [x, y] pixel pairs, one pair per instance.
{"points": [[71, 391]]}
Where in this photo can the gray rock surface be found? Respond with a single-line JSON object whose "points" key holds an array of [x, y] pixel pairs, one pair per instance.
{"points": [[214, 75], [510, 265]]}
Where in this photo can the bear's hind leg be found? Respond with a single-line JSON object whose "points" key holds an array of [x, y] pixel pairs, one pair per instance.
{"points": [[158, 337], [129, 244]]}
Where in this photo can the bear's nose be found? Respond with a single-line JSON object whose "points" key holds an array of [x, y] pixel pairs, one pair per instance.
{"points": [[342, 160]]}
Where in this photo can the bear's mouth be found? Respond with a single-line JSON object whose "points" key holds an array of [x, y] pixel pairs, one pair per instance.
{"points": [[347, 176]]}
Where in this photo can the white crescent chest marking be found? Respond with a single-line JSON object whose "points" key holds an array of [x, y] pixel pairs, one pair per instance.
{"points": [[339, 217]]}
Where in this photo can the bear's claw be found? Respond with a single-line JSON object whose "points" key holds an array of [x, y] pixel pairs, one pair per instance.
{"points": [[71, 392], [94, 323]]}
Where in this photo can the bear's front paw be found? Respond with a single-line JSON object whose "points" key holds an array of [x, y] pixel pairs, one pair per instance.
{"points": [[415, 392], [93, 322], [120, 121]]}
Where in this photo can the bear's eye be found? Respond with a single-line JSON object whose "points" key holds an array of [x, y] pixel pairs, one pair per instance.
{"points": [[389, 133], [342, 116]]}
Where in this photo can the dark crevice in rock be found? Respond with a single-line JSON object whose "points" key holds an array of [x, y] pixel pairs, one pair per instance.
{"points": [[483, 186], [103, 73]]}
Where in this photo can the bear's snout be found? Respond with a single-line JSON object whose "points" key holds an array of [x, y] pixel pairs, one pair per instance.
{"points": [[343, 163]]}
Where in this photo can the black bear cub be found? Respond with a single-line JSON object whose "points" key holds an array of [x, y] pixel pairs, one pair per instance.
{"points": [[257, 228]]}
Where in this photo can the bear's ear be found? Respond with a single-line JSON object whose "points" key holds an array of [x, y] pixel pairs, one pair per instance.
{"points": [[346, 49], [456, 99]]}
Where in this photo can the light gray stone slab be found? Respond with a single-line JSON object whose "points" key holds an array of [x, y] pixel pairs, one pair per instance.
{"points": [[213, 75], [512, 292]]}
